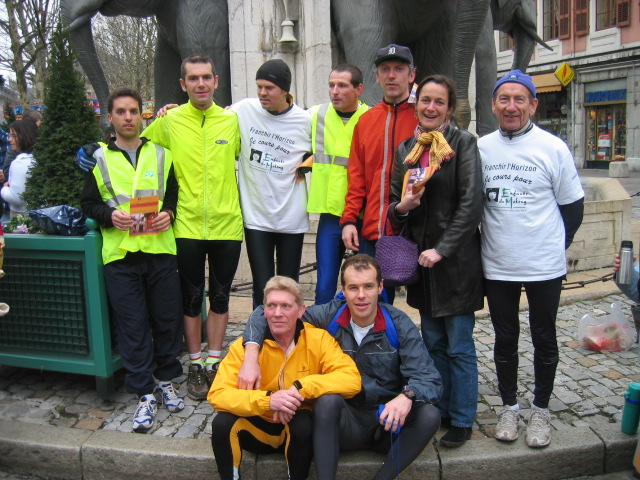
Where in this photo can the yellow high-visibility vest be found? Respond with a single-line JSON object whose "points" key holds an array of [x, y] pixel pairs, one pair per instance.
{"points": [[331, 141], [118, 182]]}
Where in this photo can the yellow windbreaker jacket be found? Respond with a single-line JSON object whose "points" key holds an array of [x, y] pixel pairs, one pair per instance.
{"points": [[317, 362]]}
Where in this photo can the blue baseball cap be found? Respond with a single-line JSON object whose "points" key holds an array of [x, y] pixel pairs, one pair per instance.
{"points": [[517, 76]]}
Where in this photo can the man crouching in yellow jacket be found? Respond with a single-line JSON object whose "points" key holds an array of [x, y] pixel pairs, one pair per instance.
{"points": [[298, 364]]}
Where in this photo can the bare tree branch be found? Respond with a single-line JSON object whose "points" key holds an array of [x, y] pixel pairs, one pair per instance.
{"points": [[28, 25], [125, 46]]}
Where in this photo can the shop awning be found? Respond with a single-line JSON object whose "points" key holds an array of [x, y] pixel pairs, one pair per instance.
{"points": [[546, 82]]}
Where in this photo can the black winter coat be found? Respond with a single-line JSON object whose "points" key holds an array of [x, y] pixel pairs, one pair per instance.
{"points": [[447, 219]]}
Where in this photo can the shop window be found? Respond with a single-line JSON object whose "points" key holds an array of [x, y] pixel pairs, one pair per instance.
{"points": [[551, 114], [606, 133], [550, 19], [606, 14], [582, 17], [506, 42]]}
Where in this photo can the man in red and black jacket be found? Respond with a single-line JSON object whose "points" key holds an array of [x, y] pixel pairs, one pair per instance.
{"points": [[373, 147]]}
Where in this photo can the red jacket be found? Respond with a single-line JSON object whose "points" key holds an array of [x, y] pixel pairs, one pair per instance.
{"points": [[375, 139]]}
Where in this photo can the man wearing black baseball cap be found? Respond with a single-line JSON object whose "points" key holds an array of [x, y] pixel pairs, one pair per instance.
{"points": [[533, 207], [373, 147], [276, 136]]}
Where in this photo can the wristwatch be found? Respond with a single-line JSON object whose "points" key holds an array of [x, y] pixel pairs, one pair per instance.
{"points": [[410, 394]]}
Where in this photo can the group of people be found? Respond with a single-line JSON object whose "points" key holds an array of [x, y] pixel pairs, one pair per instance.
{"points": [[393, 384]]}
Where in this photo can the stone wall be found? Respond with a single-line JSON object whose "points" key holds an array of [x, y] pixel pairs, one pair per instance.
{"points": [[606, 222]]}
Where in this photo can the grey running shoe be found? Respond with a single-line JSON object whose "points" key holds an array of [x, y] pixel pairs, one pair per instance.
{"points": [[146, 411], [170, 397], [197, 387], [507, 428], [538, 428]]}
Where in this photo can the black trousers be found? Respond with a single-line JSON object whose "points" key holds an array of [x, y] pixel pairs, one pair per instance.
{"points": [[261, 247], [147, 308], [223, 257], [503, 299], [230, 434], [339, 426]]}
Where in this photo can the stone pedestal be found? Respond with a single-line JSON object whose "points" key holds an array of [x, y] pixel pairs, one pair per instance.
{"points": [[634, 164], [294, 31], [606, 222], [618, 170]]}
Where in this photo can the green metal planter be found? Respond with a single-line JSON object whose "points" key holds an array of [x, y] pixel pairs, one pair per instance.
{"points": [[59, 317]]}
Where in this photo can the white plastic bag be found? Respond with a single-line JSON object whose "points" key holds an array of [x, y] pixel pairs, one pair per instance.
{"points": [[610, 333]]}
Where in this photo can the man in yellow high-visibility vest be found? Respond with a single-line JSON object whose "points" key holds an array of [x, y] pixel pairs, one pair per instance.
{"points": [[132, 193], [331, 133]]}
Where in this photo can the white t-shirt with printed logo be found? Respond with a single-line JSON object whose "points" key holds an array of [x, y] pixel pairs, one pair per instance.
{"points": [[272, 148], [525, 179]]}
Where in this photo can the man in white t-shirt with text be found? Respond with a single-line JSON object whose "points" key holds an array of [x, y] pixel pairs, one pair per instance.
{"points": [[275, 138], [533, 207]]}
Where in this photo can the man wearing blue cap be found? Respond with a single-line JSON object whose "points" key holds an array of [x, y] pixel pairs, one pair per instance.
{"points": [[533, 207]]}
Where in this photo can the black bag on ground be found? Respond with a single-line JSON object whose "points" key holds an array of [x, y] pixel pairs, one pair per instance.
{"points": [[60, 220]]}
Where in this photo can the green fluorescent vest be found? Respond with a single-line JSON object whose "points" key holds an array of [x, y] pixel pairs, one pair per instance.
{"points": [[331, 140], [205, 145], [118, 182]]}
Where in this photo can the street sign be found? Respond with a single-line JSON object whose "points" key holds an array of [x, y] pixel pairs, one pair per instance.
{"points": [[565, 74]]}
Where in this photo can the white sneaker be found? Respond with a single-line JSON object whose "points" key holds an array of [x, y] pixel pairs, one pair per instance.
{"points": [[170, 397], [507, 427], [538, 428], [146, 411]]}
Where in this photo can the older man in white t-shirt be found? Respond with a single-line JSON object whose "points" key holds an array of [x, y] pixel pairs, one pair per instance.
{"points": [[533, 207]]}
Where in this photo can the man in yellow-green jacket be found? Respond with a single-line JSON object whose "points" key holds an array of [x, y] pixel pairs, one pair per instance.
{"points": [[132, 193], [205, 141], [331, 132]]}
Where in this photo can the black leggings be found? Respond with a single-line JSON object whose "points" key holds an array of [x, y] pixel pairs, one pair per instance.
{"points": [[503, 299], [231, 434], [260, 249], [223, 257], [338, 425]]}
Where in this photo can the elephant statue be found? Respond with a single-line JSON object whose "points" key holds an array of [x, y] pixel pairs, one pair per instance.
{"points": [[442, 36], [185, 27], [517, 18]]}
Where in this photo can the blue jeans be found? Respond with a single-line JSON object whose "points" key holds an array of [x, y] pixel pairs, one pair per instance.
{"points": [[329, 252], [368, 247], [449, 341]]}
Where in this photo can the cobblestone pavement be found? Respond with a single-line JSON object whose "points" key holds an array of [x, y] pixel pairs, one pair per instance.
{"points": [[589, 385]]}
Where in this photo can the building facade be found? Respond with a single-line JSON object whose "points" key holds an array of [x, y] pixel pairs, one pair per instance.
{"points": [[597, 113]]}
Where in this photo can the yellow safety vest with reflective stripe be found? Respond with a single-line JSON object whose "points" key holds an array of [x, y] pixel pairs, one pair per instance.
{"points": [[331, 140], [118, 182]]}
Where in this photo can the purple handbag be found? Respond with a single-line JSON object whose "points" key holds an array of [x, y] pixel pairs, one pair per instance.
{"points": [[398, 258]]}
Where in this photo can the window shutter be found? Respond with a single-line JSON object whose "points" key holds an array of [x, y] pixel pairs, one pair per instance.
{"points": [[623, 17], [582, 17], [564, 19]]}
